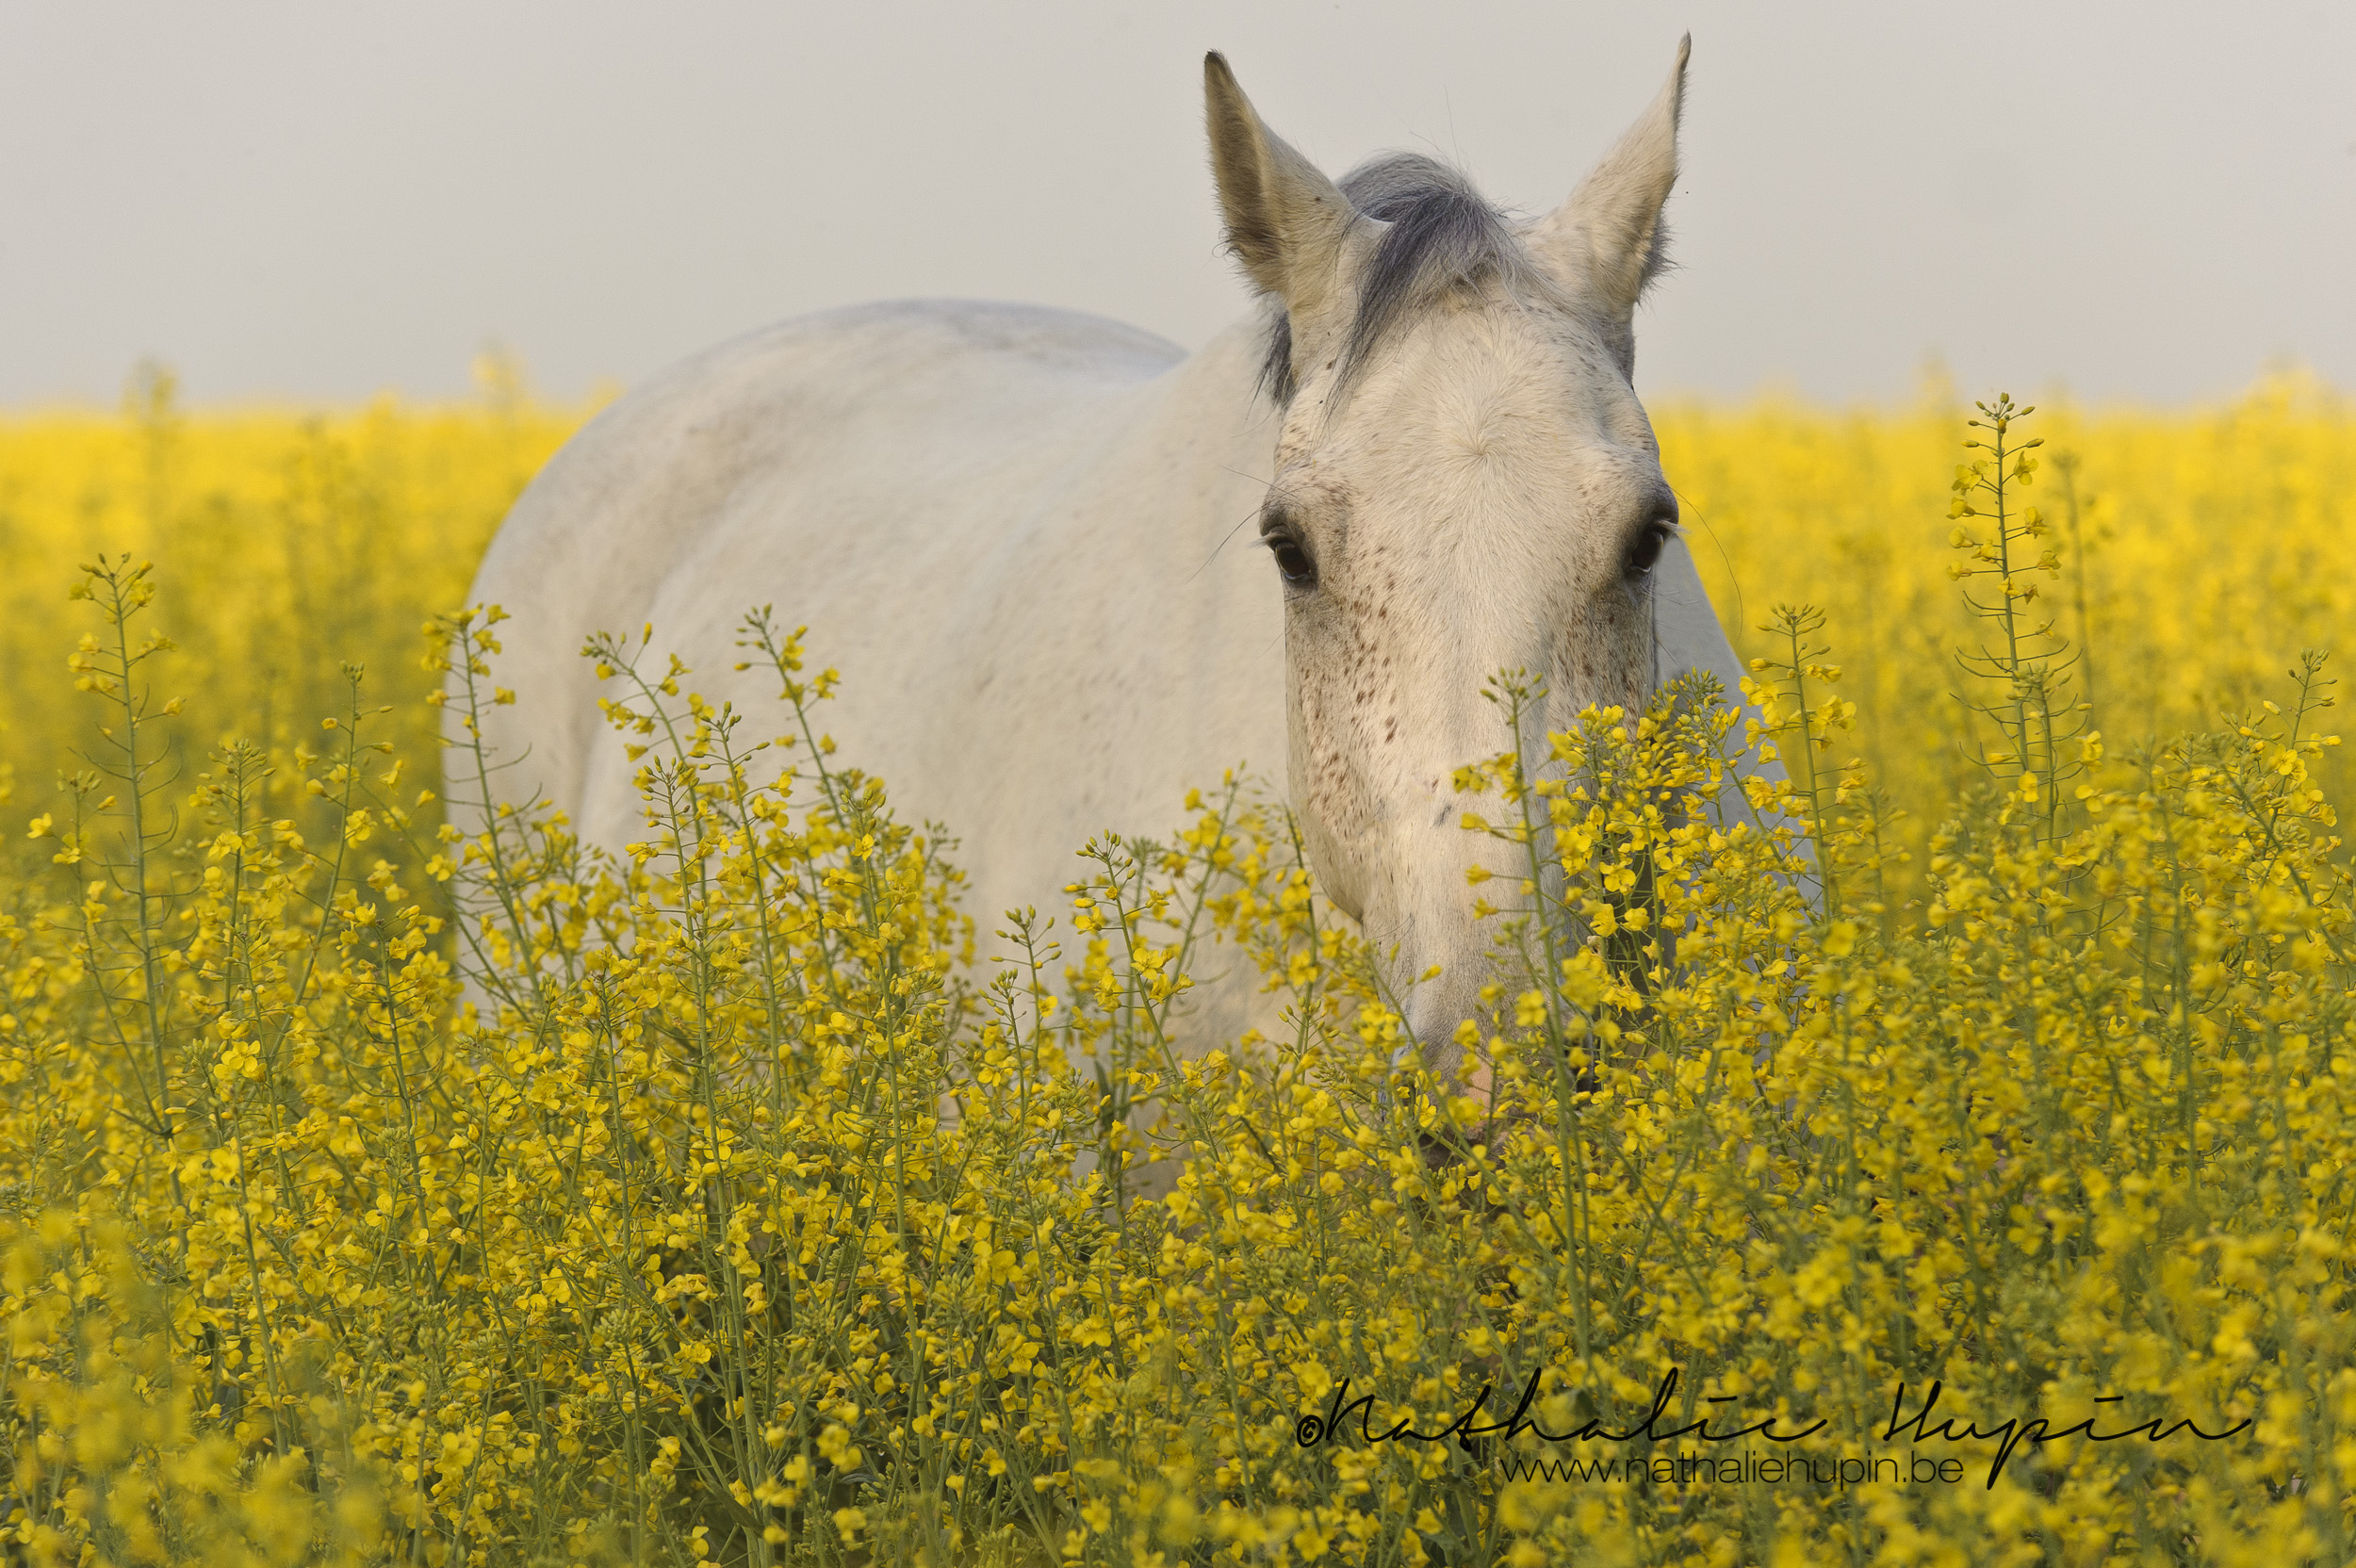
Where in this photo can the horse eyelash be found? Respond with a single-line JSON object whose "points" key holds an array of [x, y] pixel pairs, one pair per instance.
{"points": [[1659, 526]]}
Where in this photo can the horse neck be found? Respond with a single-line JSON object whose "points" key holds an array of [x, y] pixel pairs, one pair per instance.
{"points": [[1207, 434]]}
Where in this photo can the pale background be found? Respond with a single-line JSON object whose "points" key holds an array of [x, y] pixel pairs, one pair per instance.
{"points": [[2151, 201]]}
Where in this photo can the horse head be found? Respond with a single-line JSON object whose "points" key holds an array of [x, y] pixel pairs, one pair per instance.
{"points": [[1464, 483]]}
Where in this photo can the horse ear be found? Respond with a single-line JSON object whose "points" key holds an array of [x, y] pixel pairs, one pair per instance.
{"points": [[1285, 220], [1608, 237]]}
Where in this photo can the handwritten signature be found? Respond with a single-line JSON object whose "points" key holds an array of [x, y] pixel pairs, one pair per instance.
{"points": [[2009, 1436]]}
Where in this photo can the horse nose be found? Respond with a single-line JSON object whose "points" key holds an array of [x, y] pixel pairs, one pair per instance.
{"points": [[1438, 1008]]}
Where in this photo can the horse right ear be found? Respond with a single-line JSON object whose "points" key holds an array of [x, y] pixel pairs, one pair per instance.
{"points": [[1285, 220]]}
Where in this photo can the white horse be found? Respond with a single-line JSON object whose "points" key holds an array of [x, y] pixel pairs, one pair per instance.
{"points": [[1065, 567]]}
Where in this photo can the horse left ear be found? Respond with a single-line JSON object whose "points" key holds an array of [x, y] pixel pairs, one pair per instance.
{"points": [[1608, 239], [1285, 220]]}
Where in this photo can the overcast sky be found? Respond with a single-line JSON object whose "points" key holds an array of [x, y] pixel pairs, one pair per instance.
{"points": [[2148, 201]]}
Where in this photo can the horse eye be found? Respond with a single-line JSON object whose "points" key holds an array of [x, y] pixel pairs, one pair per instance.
{"points": [[1644, 552], [1291, 560]]}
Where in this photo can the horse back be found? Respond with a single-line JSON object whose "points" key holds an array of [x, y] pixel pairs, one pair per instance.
{"points": [[916, 481]]}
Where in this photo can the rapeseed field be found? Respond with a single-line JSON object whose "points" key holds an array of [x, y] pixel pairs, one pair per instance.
{"points": [[2204, 551], [1967, 1179]]}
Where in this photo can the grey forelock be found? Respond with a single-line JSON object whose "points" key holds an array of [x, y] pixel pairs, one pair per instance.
{"points": [[1441, 233]]}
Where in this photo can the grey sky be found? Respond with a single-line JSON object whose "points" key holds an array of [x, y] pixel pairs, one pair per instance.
{"points": [[2146, 201]]}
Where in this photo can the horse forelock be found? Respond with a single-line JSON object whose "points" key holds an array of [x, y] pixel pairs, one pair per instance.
{"points": [[1441, 233]]}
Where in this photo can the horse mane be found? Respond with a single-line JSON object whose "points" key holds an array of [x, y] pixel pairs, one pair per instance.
{"points": [[1443, 234]]}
